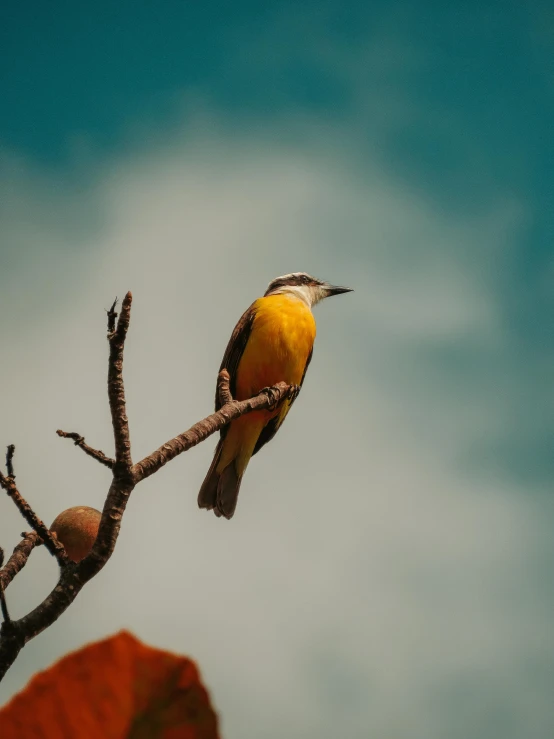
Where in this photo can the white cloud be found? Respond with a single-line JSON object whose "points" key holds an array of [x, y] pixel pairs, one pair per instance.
{"points": [[365, 571]]}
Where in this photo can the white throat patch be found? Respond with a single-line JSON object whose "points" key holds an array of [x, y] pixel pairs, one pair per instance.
{"points": [[308, 294]]}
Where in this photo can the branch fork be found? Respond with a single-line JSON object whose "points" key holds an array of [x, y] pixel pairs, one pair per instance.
{"points": [[125, 476]]}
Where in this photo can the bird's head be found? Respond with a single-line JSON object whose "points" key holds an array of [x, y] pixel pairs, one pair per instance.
{"points": [[305, 287]]}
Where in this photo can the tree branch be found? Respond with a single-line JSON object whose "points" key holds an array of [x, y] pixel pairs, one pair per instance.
{"points": [[9, 461], [19, 558], [125, 476], [267, 399], [80, 442], [116, 389], [50, 541], [112, 315], [4, 608], [3, 605], [15, 564]]}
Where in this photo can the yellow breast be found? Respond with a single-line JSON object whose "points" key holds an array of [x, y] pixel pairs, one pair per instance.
{"points": [[280, 342]]}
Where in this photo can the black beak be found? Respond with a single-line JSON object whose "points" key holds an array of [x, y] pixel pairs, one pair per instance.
{"points": [[336, 290]]}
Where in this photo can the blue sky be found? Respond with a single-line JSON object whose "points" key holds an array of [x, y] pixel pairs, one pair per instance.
{"points": [[455, 100], [403, 148]]}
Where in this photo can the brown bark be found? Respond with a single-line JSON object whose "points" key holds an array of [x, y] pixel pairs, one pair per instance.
{"points": [[19, 558], [49, 539], [125, 476], [80, 442]]}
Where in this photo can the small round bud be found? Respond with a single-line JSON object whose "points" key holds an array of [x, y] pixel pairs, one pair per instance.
{"points": [[77, 528]]}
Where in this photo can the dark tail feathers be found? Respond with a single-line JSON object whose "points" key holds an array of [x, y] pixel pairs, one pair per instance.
{"points": [[220, 491]]}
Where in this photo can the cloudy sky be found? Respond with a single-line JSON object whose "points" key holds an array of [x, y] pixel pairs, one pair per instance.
{"points": [[388, 572]]}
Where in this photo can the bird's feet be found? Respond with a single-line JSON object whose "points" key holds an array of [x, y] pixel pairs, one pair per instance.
{"points": [[293, 392], [224, 388], [275, 397]]}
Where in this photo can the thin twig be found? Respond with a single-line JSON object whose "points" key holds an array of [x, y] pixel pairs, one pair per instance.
{"points": [[9, 461], [112, 315], [3, 605], [4, 608], [116, 390], [50, 542], [19, 558], [80, 442]]}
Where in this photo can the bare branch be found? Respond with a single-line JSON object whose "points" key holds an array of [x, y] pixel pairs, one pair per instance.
{"points": [[112, 315], [19, 558], [50, 542], [3, 605], [116, 389], [108, 531], [74, 576], [15, 564], [80, 442], [9, 460], [15, 634], [267, 399]]}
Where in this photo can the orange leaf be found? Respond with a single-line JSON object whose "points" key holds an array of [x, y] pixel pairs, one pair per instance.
{"points": [[117, 688]]}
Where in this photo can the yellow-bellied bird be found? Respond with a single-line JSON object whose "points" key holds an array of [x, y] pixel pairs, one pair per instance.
{"points": [[271, 343]]}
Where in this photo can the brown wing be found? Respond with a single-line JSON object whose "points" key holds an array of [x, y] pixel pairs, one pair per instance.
{"points": [[234, 352], [271, 428]]}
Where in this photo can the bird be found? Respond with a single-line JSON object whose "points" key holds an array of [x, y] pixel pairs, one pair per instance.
{"points": [[271, 343]]}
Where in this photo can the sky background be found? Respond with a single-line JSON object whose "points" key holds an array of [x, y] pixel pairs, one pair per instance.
{"points": [[388, 572]]}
